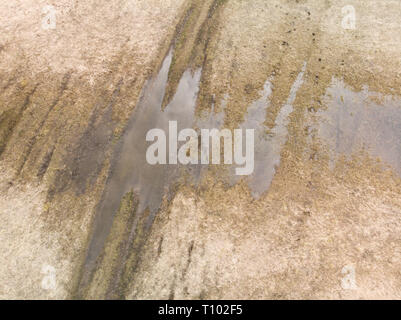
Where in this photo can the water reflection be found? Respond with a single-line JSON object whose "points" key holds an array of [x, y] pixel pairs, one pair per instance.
{"points": [[361, 120], [268, 146], [130, 169]]}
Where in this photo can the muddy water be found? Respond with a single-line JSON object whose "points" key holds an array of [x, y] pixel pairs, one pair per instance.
{"points": [[268, 145], [130, 170], [361, 120], [351, 121]]}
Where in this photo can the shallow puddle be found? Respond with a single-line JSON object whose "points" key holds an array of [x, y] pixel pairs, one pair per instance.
{"points": [[268, 145], [361, 120], [130, 170]]}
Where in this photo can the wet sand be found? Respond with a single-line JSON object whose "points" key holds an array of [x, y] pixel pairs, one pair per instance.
{"points": [[81, 205]]}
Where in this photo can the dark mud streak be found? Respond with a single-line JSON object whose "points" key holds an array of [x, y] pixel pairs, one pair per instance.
{"points": [[180, 26], [137, 241], [91, 148], [45, 163], [172, 289], [198, 51], [115, 288], [87, 269], [11, 80], [180, 32], [205, 32], [85, 161], [159, 248], [190, 250], [32, 141], [11, 122]]}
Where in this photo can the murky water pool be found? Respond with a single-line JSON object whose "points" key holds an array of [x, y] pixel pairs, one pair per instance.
{"points": [[361, 120], [351, 121], [130, 170], [268, 145]]}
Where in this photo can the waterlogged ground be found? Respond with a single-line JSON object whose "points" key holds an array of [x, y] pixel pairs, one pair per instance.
{"points": [[85, 216], [363, 120]]}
